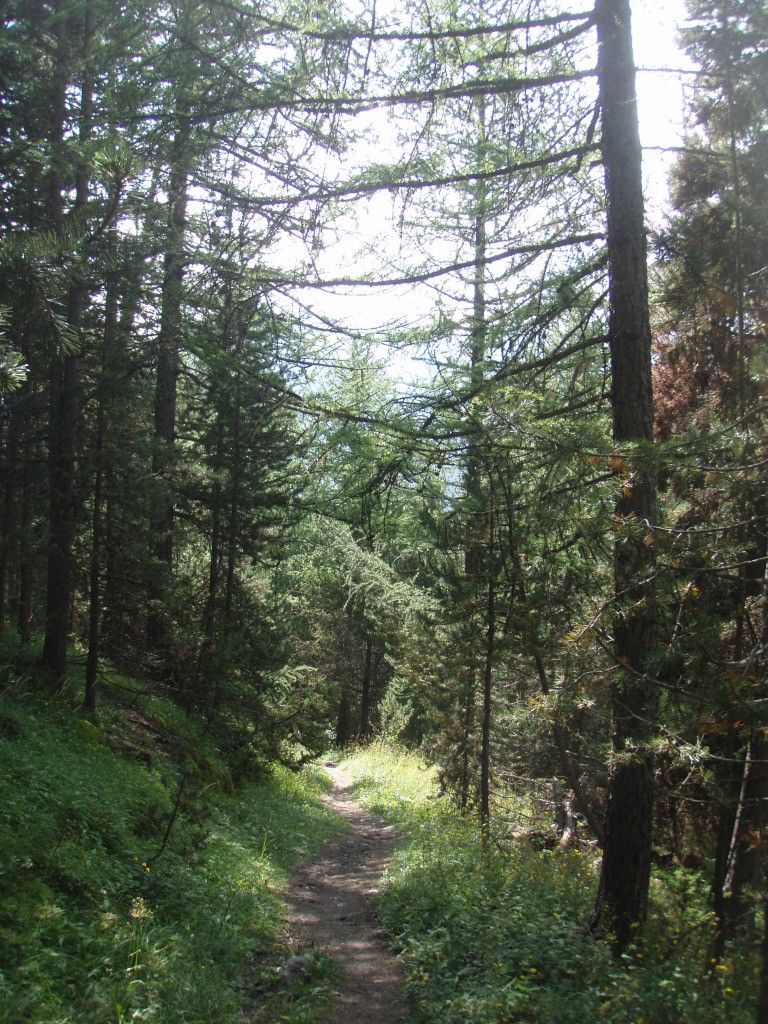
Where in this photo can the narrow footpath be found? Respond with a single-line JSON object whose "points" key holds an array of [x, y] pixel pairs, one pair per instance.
{"points": [[331, 907]]}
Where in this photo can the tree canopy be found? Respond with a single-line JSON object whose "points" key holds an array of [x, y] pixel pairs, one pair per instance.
{"points": [[518, 521]]}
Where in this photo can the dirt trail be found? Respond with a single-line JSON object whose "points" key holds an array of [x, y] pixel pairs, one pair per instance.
{"points": [[331, 909]]}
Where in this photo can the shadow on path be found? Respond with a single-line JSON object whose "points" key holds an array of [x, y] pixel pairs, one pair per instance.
{"points": [[331, 909]]}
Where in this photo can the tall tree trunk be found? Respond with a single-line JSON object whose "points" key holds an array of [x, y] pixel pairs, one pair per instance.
{"points": [[26, 563], [167, 370], [625, 875], [234, 501], [64, 371], [209, 624], [98, 529], [116, 558], [473, 479], [485, 720]]}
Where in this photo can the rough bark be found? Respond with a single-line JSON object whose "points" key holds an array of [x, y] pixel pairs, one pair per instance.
{"points": [[625, 875]]}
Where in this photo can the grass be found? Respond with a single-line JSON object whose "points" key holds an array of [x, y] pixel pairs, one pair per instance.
{"points": [[138, 884], [499, 936], [140, 881]]}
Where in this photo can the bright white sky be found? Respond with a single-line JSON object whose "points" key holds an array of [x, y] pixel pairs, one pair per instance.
{"points": [[660, 100], [660, 97]]}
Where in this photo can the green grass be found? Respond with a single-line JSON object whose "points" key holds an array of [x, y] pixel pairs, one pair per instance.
{"points": [[500, 936], [100, 923]]}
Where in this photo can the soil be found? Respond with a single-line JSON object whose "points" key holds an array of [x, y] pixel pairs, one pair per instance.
{"points": [[330, 900]]}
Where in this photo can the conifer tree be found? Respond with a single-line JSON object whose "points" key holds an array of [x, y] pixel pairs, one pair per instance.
{"points": [[626, 865]]}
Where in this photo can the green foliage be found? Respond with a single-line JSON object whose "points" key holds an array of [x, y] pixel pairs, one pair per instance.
{"points": [[125, 895], [499, 935], [305, 1001], [13, 369]]}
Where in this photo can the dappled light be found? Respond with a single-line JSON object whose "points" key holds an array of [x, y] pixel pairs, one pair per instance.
{"points": [[382, 390]]}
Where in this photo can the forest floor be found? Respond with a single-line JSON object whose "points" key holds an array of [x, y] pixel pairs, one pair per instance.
{"points": [[331, 911]]}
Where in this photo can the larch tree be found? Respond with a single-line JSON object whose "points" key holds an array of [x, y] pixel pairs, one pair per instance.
{"points": [[626, 865]]}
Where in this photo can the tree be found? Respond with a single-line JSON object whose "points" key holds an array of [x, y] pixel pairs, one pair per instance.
{"points": [[711, 387], [170, 99], [625, 873]]}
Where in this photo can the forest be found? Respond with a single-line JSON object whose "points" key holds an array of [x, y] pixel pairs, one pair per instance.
{"points": [[349, 402]]}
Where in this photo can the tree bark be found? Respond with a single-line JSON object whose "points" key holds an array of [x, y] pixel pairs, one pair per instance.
{"points": [[167, 370], [625, 875], [64, 370], [485, 721], [26, 561], [98, 527]]}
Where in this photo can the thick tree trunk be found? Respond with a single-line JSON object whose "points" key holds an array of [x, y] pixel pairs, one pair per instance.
{"points": [[625, 876]]}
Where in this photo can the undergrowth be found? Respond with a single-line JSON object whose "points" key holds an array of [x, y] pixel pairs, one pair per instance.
{"points": [[499, 935], [136, 883]]}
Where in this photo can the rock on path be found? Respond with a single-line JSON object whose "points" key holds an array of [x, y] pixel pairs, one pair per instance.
{"points": [[331, 909]]}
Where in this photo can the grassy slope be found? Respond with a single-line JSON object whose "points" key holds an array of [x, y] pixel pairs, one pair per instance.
{"points": [[501, 938], [99, 922]]}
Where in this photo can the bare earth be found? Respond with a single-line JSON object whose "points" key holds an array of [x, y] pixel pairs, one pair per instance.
{"points": [[331, 910]]}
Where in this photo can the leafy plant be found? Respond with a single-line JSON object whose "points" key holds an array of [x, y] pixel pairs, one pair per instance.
{"points": [[125, 895], [499, 935]]}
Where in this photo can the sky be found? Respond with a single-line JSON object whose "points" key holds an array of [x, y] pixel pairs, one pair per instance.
{"points": [[660, 106], [660, 97]]}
